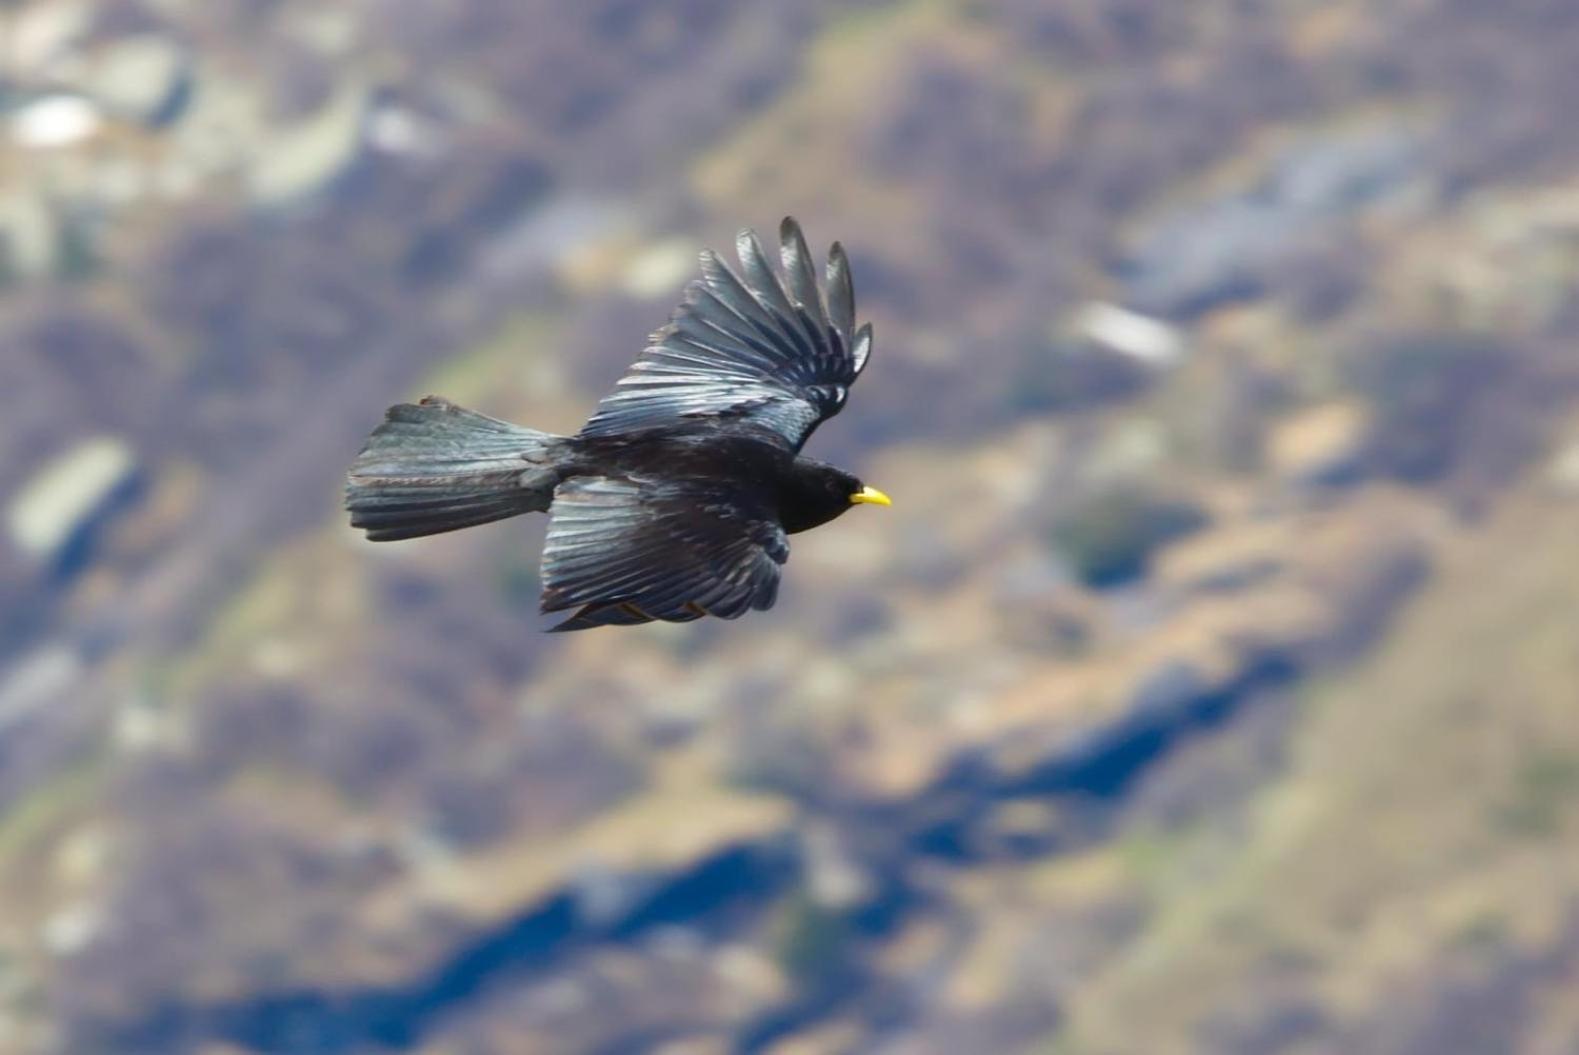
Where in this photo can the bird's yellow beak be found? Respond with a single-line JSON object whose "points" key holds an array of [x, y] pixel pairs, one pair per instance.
{"points": [[870, 496]]}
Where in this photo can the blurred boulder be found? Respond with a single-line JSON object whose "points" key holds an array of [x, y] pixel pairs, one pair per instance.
{"points": [[1322, 445], [56, 514], [143, 78]]}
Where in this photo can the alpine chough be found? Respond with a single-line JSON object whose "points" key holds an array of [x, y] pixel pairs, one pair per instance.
{"points": [[674, 501]]}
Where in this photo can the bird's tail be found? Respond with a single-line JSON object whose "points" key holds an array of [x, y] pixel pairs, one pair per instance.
{"points": [[434, 466]]}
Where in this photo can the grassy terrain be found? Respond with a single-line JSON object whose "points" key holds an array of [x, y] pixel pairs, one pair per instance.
{"points": [[1421, 833]]}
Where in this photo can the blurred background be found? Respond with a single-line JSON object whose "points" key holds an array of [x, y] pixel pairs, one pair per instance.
{"points": [[1213, 685]]}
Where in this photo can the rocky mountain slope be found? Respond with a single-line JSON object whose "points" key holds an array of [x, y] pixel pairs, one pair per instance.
{"points": [[1210, 688]]}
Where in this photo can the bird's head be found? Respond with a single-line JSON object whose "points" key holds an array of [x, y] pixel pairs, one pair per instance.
{"points": [[816, 493]]}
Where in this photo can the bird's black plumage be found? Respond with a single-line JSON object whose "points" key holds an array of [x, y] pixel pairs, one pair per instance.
{"points": [[675, 499]]}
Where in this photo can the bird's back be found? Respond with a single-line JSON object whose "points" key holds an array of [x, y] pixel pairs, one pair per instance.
{"points": [[723, 451]]}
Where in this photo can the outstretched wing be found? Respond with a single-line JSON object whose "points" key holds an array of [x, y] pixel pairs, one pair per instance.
{"points": [[776, 352], [632, 551]]}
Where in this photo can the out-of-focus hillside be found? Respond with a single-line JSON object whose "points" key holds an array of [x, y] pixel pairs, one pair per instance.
{"points": [[1211, 687]]}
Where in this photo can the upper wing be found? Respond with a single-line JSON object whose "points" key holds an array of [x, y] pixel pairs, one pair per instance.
{"points": [[631, 551], [771, 351]]}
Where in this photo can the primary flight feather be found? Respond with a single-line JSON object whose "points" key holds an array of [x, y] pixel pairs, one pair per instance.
{"points": [[675, 499]]}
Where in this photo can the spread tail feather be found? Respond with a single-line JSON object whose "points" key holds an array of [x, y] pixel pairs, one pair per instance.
{"points": [[433, 467]]}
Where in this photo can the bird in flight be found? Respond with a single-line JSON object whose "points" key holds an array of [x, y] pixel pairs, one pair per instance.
{"points": [[675, 499]]}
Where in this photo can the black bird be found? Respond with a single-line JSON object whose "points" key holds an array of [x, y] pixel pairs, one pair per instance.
{"points": [[674, 500]]}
